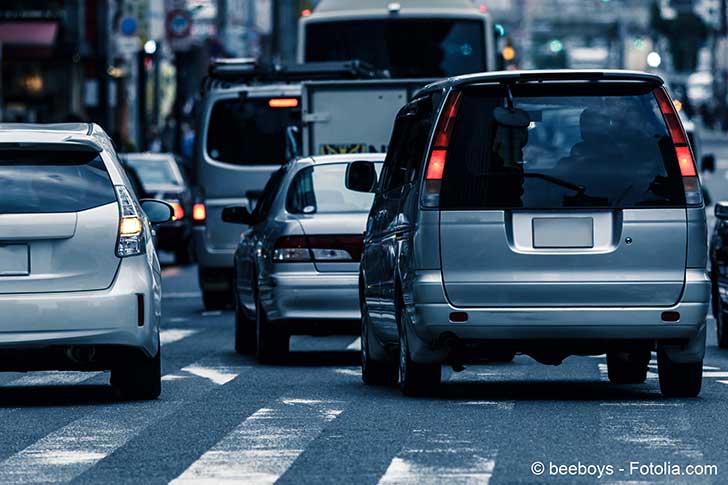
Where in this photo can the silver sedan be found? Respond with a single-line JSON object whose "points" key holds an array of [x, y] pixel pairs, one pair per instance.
{"points": [[297, 266]]}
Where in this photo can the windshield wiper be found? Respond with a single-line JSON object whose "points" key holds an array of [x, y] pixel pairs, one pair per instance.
{"points": [[579, 189]]}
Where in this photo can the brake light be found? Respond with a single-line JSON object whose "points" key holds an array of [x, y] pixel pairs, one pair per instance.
{"points": [[199, 213], [131, 241], [179, 212], [283, 102], [323, 249], [438, 153], [691, 183]]}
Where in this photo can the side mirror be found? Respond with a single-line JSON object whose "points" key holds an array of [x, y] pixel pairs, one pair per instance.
{"points": [[237, 214], [157, 211], [361, 176], [721, 211], [707, 163]]}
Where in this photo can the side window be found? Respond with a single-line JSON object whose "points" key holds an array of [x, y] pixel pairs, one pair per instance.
{"points": [[269, 194], [301, 194], [408, 145]]}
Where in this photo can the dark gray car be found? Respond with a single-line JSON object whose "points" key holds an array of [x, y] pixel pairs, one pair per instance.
{"points": [[550, 213]]}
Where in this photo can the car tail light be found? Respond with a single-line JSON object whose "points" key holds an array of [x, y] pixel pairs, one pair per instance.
{"points": [[179, 211], [199, 213], [323, 249], [132, 240], [438, 153], [283, 102], [691, 183], [291, 249]]}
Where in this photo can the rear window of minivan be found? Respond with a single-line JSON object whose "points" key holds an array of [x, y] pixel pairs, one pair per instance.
{"points": [[53, 181], [587, 145]]}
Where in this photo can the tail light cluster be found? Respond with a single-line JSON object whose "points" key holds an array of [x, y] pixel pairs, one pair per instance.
{"points": [[322, 249], [438, 153], [179, 211], [132, 240], [199, 214], [691, 183]]}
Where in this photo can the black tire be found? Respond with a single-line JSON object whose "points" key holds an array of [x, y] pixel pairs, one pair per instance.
{"points": [[215, 300], [271, 343], [628, 367], [415, 379], [138, 377], [679, 380], [244, 330], [374, 372]]}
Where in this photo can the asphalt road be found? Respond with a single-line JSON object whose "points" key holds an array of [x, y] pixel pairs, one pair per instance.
{"points": [[222, 416]]}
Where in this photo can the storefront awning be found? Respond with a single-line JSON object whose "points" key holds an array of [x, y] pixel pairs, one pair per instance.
{"points": [[25, 33]]}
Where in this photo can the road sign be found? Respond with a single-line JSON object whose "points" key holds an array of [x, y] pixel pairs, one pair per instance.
{"points": [[128, 26], [179, 24]]}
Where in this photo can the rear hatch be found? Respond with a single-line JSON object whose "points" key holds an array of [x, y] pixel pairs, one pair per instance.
{"points": [[247, 139], [59, 220], [572, 197]]}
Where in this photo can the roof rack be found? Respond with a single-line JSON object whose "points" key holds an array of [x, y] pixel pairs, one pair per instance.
{"points": [[224, 73]]}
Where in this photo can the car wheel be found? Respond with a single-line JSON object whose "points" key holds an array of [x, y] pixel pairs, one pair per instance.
{"points": [[244, 330], [679, 380], [138, 377], [415, 379], [628, 367], [215, 300], [271, 342], [374, 372]]}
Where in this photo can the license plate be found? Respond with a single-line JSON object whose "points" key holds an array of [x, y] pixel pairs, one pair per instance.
{"points": [[563, 232], [14, 260]]}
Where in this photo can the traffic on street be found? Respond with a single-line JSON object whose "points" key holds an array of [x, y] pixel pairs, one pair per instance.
{"points": [[338, 241]]}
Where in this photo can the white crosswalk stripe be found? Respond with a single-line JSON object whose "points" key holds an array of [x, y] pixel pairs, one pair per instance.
{"points": [[263, 446]]}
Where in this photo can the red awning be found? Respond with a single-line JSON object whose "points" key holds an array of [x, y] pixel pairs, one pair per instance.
{"points": [[25, 33]]}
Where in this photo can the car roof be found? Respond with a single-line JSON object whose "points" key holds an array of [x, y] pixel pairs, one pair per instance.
{"points": [[348, 157], [544, 75], [349, 6], [141, 156], [84, 134]]}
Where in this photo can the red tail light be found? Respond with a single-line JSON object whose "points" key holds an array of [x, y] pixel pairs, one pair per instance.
{"points": [[438, 154], [283, 102], [691, 183], [179, 212], [324, 249], [199, 213]]}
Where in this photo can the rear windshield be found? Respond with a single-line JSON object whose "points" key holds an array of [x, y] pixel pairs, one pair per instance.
{"points": [[45, 181], [588, 146], [155, 172], [322, 190], [248, 131], [405, 48]]}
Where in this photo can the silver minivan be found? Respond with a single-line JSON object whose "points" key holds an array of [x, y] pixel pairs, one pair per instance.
{"points": [[549, 213]]}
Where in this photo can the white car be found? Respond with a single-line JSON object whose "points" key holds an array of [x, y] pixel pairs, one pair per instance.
{"points": [[79, 275]]}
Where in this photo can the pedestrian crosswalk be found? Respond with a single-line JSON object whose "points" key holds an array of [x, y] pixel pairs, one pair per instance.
{"points": [[265, 444]]}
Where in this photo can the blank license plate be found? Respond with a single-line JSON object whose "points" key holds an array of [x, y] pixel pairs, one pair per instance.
{"points": [[14, 260], [563, 232]]}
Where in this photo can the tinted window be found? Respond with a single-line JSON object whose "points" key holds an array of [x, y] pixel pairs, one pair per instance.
{"points": [[43, 181], [581, 146], [155, 172], [408, 144], [248, 131], [405, 48], [269, 194], [321, 189]]}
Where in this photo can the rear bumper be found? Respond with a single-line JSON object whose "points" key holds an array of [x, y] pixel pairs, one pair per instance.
{"points": [[215, 266], [429, 319], [308, 296], [105, 317]]}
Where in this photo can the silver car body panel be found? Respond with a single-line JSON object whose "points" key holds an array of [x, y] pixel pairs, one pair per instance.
{"points": [[301, 290], [78, 291]]}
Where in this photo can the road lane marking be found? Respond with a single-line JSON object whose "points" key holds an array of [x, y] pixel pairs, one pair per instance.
{"points": [[438, 457], [219, 375], [215, 313], [348, 372], [181, 294], [69, 451], [714, 374], [171, 335], [261, 448], [355, 345]]}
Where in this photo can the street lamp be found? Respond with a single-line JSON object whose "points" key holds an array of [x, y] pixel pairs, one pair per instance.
{"points": [[654, 59]]}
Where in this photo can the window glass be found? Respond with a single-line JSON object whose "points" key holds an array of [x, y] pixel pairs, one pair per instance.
{"points": [[322, 190], [155, 172], [405, 48], [270, 191], [580, 146], [247, 131], [52, 181]]}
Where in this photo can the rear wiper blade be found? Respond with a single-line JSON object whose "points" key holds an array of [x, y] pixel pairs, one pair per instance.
{"points": [[580, 189]]}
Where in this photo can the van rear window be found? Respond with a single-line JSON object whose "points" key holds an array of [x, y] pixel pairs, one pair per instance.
{"points": [[249, 131], [53, 181], [577, 146]]}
